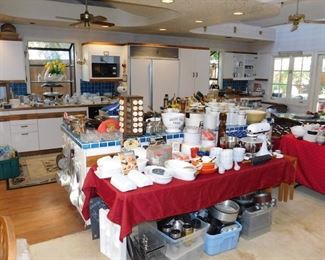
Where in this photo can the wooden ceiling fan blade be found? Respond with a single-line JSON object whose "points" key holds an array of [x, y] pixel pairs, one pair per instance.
{"points": [[67, 18], [103, 23], [78, 23], [99, 18], [277, 24], [315, 21]]}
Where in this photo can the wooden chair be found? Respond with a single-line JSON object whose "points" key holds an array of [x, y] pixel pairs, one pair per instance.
{"points": [[7, 239]]}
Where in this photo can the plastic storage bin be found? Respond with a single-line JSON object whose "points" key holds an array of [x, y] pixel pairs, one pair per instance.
{"points": [[9, 168], [216, 244], [256, 222], [185, 248]]}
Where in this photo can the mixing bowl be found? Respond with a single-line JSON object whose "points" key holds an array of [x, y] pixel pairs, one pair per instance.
{"points": [[173, 121], [255, 116]]}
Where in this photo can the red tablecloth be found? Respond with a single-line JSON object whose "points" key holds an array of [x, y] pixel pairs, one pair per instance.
{"points": [[159, 201], [311, 161]]}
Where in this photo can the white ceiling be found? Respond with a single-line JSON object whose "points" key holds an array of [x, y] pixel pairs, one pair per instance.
{"points": [[148, 16]]}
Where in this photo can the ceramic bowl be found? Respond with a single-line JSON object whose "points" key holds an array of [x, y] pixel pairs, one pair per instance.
{"points": [[255, 116], [181, 170], [173, 121], [298, 131]]}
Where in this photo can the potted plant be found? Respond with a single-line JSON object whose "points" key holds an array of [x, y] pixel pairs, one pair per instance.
{"points": [[54, 70]]}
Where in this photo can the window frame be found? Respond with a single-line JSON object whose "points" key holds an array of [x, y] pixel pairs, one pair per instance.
{"points": [[288, 98]]}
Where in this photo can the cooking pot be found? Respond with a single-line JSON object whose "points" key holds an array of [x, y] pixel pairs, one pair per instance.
{"points": [[251, 144], [226, 211], [263, 197]]}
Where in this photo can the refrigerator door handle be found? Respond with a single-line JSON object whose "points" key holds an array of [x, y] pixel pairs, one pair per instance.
{"points": [[151, 85]]}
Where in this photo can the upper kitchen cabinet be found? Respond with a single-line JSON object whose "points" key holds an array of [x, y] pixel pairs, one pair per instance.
{"points": [[194, 71], [239, 66], [263, 66], [12, 60], [104, 61]]}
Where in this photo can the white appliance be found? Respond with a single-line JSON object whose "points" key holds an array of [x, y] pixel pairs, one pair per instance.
{"points": [[152, 79]]}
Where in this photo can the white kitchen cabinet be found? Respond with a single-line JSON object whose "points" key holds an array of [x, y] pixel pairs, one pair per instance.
{"points": [[5, 136], [152, 79], [264, 66], [49, 133], [194, 71], [89, 50], [12, 60], [239, 66], [24, 135]]}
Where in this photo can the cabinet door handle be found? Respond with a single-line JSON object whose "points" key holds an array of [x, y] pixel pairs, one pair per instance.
{"points": [[197, 74], [24, 134], [24, 126], [193, 74]]}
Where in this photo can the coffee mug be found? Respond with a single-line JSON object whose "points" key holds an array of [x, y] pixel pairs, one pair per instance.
{"points": [[239, 154]]}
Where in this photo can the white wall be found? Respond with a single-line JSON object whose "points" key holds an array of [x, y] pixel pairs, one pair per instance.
{"points": [[78, 36], [310, 39]]}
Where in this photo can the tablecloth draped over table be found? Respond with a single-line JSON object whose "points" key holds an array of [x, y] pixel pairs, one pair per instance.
{"points": [[178, 197], [311, 161]]}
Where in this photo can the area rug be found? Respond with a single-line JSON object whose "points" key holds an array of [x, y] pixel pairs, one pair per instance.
{"points": [[34, 170]]}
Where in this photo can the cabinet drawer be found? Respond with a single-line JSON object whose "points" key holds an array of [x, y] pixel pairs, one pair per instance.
{"points": [[25, 141], [26, 126]]}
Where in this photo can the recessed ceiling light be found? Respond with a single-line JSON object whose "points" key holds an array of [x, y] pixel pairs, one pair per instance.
{"points": [[162, 29], [105, 26], [167, 1], [238, 13], [198, 21]]}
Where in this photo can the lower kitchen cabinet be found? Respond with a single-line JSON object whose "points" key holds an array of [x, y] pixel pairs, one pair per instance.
{"points": [[25, 141], [49, 133], [24, 135], [5, 136]]}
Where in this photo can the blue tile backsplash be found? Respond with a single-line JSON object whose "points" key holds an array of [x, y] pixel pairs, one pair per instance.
{"points": [[236, 84], [19, 89], [98, 87]]}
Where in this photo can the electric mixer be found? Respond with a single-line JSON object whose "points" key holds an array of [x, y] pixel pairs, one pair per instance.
{"points": [[259, 131]]}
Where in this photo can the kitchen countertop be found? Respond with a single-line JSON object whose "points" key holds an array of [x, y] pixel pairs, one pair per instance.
{"points": [[27, 107], [291, 116]]}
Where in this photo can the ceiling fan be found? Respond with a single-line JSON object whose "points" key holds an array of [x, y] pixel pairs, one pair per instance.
{"points": [[87, 19], [297, 18]]}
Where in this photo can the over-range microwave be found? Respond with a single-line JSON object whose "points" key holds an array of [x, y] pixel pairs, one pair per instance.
{"points": [[103, 66]]}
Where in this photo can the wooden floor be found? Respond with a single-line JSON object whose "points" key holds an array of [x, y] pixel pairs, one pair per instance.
{"points": [[40, 213]]}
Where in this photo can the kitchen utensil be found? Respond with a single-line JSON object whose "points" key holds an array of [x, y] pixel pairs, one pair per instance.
{"points": [[260, 159], [175, 234], [181, 170], [236, 167], [255, 116], [196, 223], [239, 154], [187, 229], [158, 174], [167, 228], [178, 225], [262, 197], [298, 131], [226, 211], [228, 142], [251, 144], [173, 121]]}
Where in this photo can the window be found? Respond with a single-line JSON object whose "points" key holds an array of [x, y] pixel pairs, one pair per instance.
{"points": [[214, 68], [39, 53], [291, 77]]}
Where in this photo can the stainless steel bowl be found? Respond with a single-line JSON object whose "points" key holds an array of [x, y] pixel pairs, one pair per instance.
{"points": [[251, 144], [228, 142], [226, 211]]}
